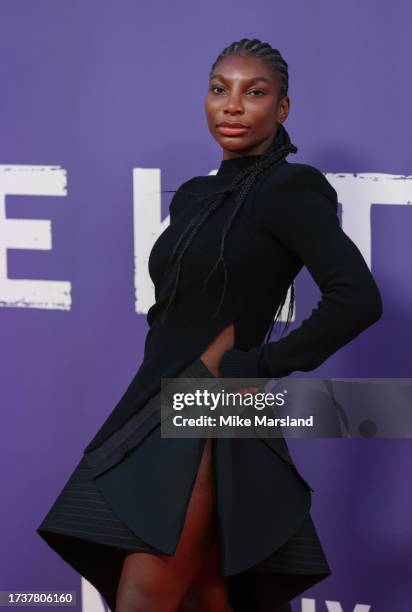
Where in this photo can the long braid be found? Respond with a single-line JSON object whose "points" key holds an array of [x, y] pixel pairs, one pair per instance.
{"points": [[261, 169], [195, 224], [242, 183]]}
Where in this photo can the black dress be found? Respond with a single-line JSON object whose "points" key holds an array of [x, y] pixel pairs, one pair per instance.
{"points": [[131, 488]]}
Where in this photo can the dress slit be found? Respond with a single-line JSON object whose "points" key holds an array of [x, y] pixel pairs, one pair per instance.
{"points": [[268, 545]]}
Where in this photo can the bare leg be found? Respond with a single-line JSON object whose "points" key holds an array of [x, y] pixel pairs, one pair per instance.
{"points": [[157, 583], [208, 591]]}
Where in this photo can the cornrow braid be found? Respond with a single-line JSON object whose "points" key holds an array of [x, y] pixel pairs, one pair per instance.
{"points": [[241, 184]]}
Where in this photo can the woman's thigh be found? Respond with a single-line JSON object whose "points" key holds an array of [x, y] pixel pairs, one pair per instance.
{"points": [[208, 590], [158, 582]]}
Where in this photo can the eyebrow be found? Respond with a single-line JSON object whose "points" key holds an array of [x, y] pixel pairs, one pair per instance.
{"points": [[252, 80]]}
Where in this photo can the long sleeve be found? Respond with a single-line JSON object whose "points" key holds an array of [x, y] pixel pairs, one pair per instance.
{"points": [[302, 215]]}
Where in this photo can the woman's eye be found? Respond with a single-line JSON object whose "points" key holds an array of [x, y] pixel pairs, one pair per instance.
{"points": [[258, 91]]}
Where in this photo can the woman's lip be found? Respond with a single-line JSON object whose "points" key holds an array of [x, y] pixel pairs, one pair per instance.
{"points": [[231, 131]]}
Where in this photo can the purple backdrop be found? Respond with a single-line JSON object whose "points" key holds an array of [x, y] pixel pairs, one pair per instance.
{"points": [[90, 91]]}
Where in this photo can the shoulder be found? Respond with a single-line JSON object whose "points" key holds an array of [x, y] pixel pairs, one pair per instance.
{"points": [[298, 178], [187, 187], [196, 185], [189, 182], [297, 189], [184, 194], [293, 197]]}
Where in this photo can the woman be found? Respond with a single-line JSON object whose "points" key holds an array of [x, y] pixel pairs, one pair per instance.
{"points": [[223, 524]]}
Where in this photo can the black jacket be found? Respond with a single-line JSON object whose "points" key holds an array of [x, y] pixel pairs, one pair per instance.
{"points": [[289, 220]]}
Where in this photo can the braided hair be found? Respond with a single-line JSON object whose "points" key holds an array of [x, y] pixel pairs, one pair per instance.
{"points": [[242, 182]]}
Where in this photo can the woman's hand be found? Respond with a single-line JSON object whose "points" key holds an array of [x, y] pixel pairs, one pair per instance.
{"points": [[214, 352]]}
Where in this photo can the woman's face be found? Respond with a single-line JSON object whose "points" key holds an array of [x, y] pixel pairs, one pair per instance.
{"points": [[243, 90]]}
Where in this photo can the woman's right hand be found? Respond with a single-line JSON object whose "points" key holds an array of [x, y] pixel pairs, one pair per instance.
{"points": [[214, 352]]}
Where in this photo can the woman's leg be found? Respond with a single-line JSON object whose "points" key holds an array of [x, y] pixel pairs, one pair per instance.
{"points": [[157, 583], [208, 591]]}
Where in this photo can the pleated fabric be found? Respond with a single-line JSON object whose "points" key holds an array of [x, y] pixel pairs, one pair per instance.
{"points": [[269, 547], [81, 511]]}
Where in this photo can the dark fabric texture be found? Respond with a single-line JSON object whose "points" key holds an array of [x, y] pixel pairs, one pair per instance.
{"points": [[289, 220], [269, 546], [115, 448]]}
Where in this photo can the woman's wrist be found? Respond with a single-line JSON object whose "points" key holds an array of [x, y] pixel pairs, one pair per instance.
{"points": [[236, 363]]}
